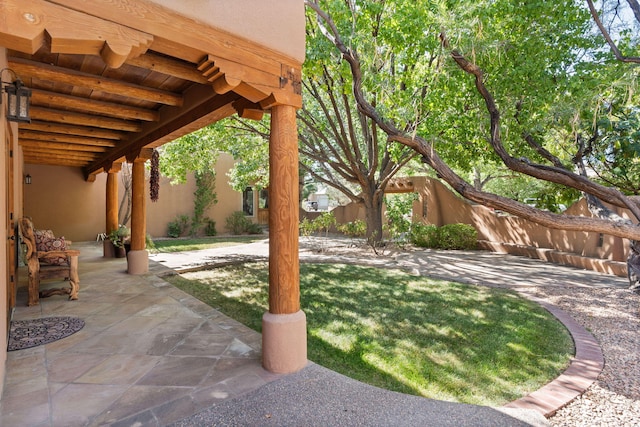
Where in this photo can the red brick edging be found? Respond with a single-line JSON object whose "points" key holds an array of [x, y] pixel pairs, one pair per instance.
{"points": [[583, 369]]}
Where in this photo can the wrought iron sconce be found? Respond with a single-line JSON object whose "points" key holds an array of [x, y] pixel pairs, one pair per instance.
{"points": [[18, 99], [27, 179]]}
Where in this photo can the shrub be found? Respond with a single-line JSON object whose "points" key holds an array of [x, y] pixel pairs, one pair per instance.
{"points": [[450, 236], [307, 228], [398, 213], [253, 228], [210, 227], [238, 223], [178, 226], [357, 228]]}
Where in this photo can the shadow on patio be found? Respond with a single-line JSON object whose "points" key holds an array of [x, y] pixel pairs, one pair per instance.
{"points": [[149, 354]]}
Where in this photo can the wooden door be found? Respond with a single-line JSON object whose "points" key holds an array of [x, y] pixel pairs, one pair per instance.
{"points": [[11, 231]]}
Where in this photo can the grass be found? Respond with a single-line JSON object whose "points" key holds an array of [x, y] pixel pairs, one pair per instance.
{"points": [[192, 244], [410, 334]]}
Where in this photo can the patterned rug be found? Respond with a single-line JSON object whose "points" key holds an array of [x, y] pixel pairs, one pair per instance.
{"points": [[31, 333]]}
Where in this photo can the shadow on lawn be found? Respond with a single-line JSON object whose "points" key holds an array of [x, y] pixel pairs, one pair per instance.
{"points": [[404, 333]]}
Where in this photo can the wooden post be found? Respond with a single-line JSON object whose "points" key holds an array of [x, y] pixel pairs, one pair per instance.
{"points": [[138, 206], [138, 257], [284, 266], [111, 215], [284, 338]]}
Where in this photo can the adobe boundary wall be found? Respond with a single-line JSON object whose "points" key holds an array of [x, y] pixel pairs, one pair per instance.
{"points": [[503, 233]]}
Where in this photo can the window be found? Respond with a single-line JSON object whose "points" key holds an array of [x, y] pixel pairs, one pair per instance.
{"points": [[247, 201]]}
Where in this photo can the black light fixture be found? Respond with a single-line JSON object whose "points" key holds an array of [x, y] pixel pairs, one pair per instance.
{"points": [[17, 99], [27, 179]]}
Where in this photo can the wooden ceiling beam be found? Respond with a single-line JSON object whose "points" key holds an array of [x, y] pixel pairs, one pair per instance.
{"points": [[55, 162], [201, 108], [61, 154], [89, 132], [30, 143], [71, 139], [69, 117], [46, 98], [168, 66], [26, 68]]}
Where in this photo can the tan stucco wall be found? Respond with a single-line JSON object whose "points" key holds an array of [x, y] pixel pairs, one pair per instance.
{"points": [[61, 200], [506, 233], [279, 25]]}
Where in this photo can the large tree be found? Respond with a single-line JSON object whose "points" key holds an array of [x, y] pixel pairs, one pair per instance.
{"points": [[553, 82]]}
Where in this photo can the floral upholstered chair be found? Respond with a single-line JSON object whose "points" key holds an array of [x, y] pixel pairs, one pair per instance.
{"points": [[48, 258]]}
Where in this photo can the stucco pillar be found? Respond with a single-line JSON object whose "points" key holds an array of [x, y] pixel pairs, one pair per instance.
{"points": [[138, 257], [284, 329], [111, 214]]}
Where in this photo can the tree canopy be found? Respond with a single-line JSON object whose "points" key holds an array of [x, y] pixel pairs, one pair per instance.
{"points": [[514, 81]]}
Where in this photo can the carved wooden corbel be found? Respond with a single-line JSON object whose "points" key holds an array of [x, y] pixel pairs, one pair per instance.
{"points": [[27, 26]]}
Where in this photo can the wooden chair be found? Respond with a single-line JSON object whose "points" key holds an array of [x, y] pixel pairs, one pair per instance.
{"points": [[48, 265]]}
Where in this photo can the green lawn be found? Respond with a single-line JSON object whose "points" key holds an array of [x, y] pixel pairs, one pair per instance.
{"points": [[405, 333], [192, 244]]}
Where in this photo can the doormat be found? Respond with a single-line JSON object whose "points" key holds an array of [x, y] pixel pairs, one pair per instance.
{"points": [[31, 333]]}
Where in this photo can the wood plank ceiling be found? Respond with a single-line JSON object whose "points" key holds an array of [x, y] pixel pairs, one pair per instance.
{"points": [[82, 110], [111, 78]]}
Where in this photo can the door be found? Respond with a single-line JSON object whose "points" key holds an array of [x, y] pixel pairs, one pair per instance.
{"points": [[11, 230]]}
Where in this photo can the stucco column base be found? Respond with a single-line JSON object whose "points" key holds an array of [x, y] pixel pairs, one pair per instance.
{"points": [[284, 342], [138, 262]]}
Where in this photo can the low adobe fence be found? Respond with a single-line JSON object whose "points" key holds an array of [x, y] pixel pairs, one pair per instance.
{"points": [[499, 232]]}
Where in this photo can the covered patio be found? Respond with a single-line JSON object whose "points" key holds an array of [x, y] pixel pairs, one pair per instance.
{"points": [[149, 354], [111, 81]]}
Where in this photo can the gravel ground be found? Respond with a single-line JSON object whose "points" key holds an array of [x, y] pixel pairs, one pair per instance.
{"points": [[613, 317]]}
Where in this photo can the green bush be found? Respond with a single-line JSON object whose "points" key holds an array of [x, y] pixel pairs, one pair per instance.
{"points": [[322, 222], [253, 228], [450, 236], [210, 227], [357, 228], [238, 223], [307, 228], [177, 227]]}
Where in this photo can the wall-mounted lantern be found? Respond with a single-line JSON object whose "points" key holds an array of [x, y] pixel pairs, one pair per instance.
{"points": [[17, 99], [27, 179]]}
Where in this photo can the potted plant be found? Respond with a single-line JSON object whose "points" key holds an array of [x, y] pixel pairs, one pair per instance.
{"points": [[119, 237]]}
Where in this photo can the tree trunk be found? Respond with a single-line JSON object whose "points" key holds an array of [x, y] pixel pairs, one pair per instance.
{"points": [[373, 215]]}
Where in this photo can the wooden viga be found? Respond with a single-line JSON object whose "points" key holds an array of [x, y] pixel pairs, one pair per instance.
{"points": [[49, 264]]}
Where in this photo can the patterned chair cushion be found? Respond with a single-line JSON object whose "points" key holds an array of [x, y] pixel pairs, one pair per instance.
{"points": [[47, 243], [41, 236]]}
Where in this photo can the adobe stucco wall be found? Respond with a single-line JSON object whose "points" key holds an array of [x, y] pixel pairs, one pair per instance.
{"points": [[61, 200], [280, 26], [509, 234]]}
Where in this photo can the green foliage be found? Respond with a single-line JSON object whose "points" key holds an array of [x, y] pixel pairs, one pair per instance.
{"points": [[178, 226], [357, 228], [204, 197], [399, 210], [238, 223], [119, 236], [323, 222], [306, 227], [210, 227], [450, 236], [150, 244]]}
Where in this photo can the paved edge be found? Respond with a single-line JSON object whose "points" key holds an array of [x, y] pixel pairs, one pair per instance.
{"points": [[582, 372]]}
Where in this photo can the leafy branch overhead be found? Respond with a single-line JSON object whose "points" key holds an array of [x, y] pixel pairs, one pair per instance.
{"points": [[540, 121]]}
